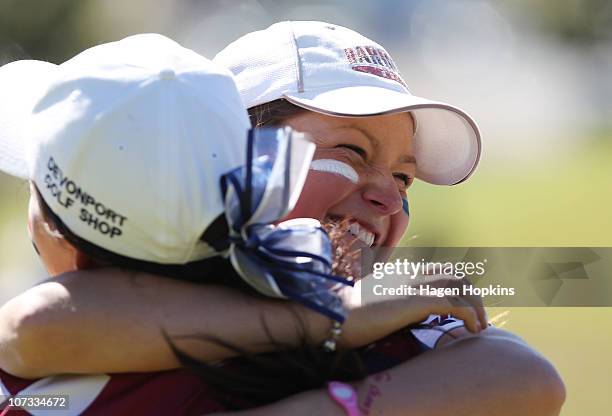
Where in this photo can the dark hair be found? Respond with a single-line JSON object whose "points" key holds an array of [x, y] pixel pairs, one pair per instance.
{"points": [[274, 113]]}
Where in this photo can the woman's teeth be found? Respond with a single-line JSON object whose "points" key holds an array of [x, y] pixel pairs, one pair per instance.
{"points": [[362, 234]]}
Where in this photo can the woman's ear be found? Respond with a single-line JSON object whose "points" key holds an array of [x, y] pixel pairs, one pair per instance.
{"points": [[56, 253], [52, 231]]}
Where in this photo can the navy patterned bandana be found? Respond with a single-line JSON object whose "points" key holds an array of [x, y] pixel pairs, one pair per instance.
{"points": [[291, 259]]}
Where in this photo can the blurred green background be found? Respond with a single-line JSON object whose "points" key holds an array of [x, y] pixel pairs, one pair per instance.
{"points": [[534, 74]]}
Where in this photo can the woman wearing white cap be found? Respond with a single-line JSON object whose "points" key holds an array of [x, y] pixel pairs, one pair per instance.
{"points": [[345, 90], [349, 82], [125, 147]]}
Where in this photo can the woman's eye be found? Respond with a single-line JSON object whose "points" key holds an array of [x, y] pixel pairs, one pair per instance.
{"points": [[405, 179], [360, 151]]}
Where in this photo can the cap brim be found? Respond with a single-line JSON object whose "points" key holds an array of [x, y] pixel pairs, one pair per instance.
{"points": [[447, 143], [22, 83]]}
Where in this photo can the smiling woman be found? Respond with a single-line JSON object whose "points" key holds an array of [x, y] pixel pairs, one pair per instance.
{"points": [[379, 150]]}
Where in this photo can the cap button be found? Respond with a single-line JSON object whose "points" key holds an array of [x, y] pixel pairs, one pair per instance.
{"points": [[167, 74]]}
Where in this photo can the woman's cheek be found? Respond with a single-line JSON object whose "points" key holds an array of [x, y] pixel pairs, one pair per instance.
{"points": [[322, 191], [397, 228]]}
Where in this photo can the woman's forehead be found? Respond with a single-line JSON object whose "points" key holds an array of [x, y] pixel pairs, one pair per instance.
{"points": [[395, 130]]}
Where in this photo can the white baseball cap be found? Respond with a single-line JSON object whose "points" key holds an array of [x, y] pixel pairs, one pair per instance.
{"points": [[333, 70], [127, 142]]}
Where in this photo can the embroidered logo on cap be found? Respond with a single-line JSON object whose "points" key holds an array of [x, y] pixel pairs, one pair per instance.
{"points": [[92, 212], [375, 61]]}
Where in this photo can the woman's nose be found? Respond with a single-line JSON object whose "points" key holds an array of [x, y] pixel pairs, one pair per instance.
{"points": [[382, 196]]}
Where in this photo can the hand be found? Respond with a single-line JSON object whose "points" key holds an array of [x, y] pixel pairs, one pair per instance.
{"points": [[371, 321]]}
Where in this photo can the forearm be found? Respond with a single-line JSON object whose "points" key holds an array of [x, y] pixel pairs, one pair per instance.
{"points": [[110, 321], [472, 376]]}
